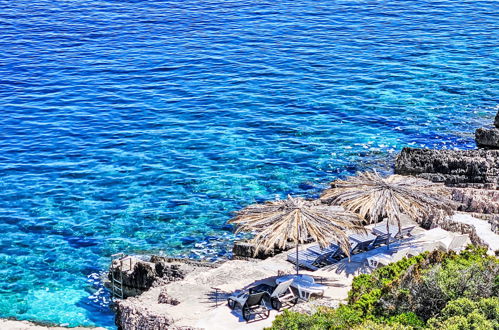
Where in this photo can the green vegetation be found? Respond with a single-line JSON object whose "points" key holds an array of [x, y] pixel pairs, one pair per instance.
{"points": [[435, 290]]}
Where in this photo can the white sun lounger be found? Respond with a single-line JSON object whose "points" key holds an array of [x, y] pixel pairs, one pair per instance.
{"points": [[383, 259], [304, 285]]}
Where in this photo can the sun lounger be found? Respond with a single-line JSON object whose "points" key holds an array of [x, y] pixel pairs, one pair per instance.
{"points": [[282, 294], [459, 243], [312, 260], [250, 303], [382, 239], [279, 294], [394, 230], [304, 285], [318, 250], [456, 243], [360, 242]]}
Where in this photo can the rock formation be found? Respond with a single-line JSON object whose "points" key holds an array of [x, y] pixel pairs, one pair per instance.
{"points": [[140, 275], [487, 138], [131, 314], [246, 250], [165, 298], [473, 176], [457, 168]]}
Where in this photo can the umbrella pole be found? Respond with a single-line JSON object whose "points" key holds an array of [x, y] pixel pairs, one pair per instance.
{"points": [[296, 258], [297, 243], [388, 231]]}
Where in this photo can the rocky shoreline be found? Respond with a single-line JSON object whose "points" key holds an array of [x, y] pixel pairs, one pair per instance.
{"points": [[7, 324], [472, 175]]}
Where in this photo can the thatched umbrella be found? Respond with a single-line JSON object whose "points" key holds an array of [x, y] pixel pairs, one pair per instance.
{"points": [[374, 197], [296, 220]]}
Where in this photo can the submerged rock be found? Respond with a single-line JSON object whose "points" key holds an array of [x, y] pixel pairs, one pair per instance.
{"points": [[487, 138], [457, 168]]}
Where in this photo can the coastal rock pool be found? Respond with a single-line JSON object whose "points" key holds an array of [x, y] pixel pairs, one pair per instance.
{"points": [[139, 126]]}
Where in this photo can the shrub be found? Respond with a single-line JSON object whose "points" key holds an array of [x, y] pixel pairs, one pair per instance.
{"points": [[371, 325], [381, 277], [437, 290], [463, 313], [409, 319], [292, 321], [426, 287]]}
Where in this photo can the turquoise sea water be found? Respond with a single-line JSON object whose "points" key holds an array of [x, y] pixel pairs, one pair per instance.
{"points": [[139, 126]]}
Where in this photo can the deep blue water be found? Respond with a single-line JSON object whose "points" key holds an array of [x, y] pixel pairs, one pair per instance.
{"points": [[139, 126]]}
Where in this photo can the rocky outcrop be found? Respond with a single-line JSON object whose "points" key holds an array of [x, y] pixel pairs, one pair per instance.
{"points": [[140, 275], [457, 168], [487, 138], [477, 200], [132, 315], [136, 273], [244, 250], [165, 298]]}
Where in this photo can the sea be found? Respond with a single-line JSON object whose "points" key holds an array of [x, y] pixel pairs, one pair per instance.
{"points": [[140, 126]]}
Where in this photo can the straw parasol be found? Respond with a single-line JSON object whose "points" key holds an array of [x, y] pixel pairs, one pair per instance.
{"points": [[296, 220], [375, 197]]}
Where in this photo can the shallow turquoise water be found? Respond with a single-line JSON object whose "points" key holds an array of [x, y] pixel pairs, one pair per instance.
{"points": [[139, 126]]}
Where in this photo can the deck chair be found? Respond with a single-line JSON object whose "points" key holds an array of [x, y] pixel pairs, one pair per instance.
{"points": [[311, 260], [458, 243], [304, 284], [405, 231], [382, 239], [250, 303], [393, 230], [318, 250], [306, 289], [282, 294], [358, 247]]}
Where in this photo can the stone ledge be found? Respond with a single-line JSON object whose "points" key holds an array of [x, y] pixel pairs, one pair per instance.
{"points": [[487, 138]]}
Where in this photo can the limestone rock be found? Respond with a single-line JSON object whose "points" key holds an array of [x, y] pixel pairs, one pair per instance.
{"points": [[487, 138], [136, 273], [477, 200], [139, 275], [168, 271], [165, 298], [246, 250], [458, 168], [132, 315]]}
